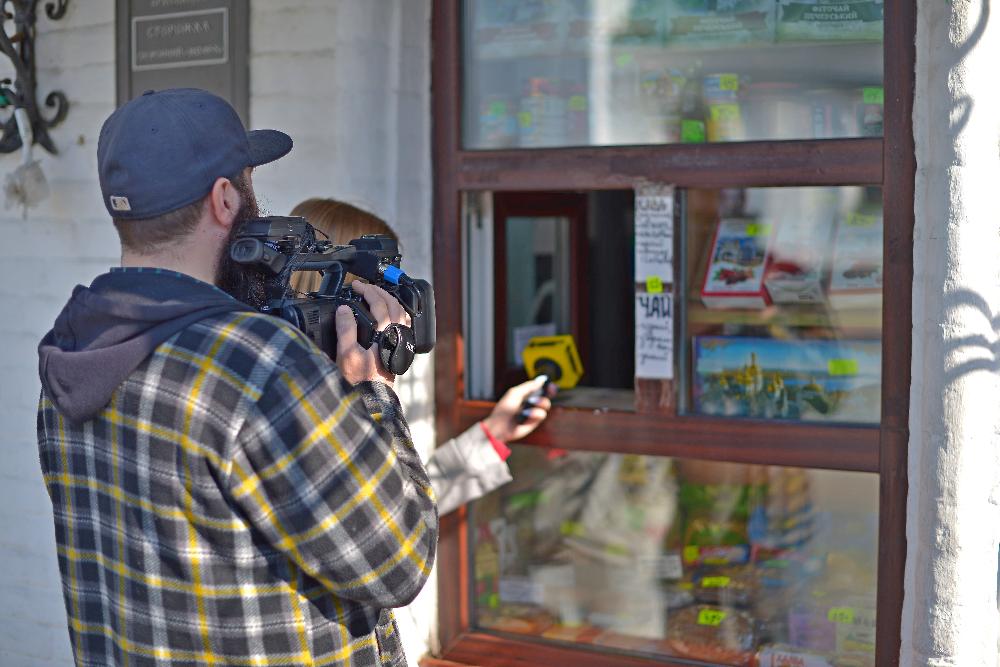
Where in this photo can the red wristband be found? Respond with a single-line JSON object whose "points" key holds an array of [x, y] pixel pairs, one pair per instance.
{"points": [[502, 450]]}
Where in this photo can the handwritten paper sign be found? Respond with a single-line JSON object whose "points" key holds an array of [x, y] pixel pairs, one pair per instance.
{"points": [[654, 336], [654, 233]]}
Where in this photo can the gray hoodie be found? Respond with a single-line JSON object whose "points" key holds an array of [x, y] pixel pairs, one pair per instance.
{"points": [[107, 330]]}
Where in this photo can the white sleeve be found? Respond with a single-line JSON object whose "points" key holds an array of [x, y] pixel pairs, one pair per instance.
{"points": [[464, 469]]}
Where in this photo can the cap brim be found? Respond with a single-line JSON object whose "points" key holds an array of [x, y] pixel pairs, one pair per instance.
{"points": [[267, 146]]}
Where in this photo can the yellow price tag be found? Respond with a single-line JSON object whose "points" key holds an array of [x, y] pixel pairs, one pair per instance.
{"points": [[654, 285], [713, 617], [841, 615], [861, 219], [842, 367], [624, 59], [873, 95], [692, 131], [691, 553], [493, 601], [729, 82], [725, 112], [525, 118], [757, 229], [578, 103], [715, 582]]}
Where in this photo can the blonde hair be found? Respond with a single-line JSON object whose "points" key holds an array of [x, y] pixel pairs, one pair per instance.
{"points": [[341, 222]]}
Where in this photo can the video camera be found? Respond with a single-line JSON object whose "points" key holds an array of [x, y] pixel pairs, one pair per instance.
{"points": [[278, 246]]}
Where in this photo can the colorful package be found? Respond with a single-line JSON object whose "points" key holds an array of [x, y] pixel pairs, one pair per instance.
{"points": [[808, 380], [834, 20], [735, 274], [856, 272], [711, 24]]}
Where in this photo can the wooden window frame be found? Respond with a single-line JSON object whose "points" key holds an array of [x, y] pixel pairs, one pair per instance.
{"points": [[888, 162], [561, 205]]}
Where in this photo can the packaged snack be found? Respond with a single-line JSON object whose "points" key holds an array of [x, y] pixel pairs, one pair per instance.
{"points": [[790, 656], [856, 271], [518, 619], [516, 28], [579, 634], [871, 111], [497, 123], [644, 23], [639, 22], [542, 115], [830, 20], [725, 586], [707, 23], [662, 93], [798, 256], [718, 635], [735, 274], [724, 121]]}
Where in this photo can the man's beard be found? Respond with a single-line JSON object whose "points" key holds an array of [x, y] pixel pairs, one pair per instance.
{"points": [[239, 281]]}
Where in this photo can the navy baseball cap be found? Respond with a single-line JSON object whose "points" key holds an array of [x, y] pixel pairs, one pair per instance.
{"points": [[165, 149]]}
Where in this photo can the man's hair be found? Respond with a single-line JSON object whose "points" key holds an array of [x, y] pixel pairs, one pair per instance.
{"points": [[150, 235]]}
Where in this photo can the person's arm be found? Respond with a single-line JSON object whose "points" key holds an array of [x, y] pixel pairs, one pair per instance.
{"points": [[466, 468], [344, 497], [473, 464], [326, 469]]}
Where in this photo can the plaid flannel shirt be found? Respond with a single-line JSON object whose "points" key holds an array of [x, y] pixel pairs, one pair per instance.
{"points": [[238, 504]]}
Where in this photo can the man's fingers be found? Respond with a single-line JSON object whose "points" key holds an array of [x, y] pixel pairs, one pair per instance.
{"points": [[347, 330], [396, 312]]}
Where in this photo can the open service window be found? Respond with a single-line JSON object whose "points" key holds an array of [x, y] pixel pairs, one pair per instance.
{"points": [[542, 264]]}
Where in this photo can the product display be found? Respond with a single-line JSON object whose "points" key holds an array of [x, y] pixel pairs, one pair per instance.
{"points": [[724, 563], [735, 274], [551, 73]]}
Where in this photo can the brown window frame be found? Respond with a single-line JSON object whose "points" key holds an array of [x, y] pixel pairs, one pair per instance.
{"points": [[888, 162]]}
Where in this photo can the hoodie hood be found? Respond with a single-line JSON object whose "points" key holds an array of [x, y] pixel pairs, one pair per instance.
{"points": [[107, 330]]}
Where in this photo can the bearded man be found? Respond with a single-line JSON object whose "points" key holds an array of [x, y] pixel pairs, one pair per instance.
{"points": [[223, 493]]}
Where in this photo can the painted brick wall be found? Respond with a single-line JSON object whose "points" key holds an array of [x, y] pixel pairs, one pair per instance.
{"points": [[349, 80]]}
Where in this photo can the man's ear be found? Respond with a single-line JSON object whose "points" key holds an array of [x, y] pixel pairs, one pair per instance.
{"points": [[224, 202]]}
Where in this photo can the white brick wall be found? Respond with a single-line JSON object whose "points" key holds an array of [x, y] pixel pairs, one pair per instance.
{"points": [[349, 80]]}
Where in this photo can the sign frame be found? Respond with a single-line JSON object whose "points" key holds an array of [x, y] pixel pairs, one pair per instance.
{"points": [[227, 76]]}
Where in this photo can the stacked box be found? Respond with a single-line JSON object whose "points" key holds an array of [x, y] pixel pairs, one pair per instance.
{"points": [[735, 274], [709, 24], [856, 271], [830, 20]]}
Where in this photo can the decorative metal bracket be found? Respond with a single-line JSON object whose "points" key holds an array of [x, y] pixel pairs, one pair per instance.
{"points": [[19, 46]]}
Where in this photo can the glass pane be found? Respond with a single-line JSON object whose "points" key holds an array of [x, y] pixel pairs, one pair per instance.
{"points": [[538, 280], [784, 303], [723, 563], [610, 72]]}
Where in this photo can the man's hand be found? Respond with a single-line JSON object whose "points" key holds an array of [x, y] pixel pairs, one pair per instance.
{"points": [[502, 422], [356, 363]]}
